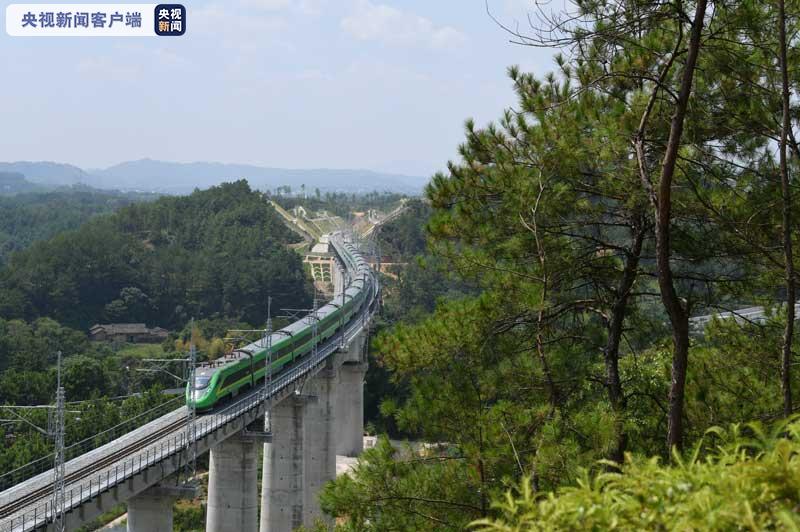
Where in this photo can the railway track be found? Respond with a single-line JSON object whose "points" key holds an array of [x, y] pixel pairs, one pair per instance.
{"points": [[23, 506], [102, 463]]}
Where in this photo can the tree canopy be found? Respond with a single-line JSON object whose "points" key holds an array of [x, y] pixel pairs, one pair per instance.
{"points": [[649, 178], [217, 252]]}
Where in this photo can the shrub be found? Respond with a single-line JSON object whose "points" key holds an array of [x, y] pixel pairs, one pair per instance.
{"points": [[745, 478]]}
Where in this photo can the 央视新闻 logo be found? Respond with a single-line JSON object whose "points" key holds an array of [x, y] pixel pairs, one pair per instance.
{"points": [[170, 20]]}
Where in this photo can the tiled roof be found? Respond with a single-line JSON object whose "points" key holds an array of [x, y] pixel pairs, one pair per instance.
{"points": [[126, 328]]}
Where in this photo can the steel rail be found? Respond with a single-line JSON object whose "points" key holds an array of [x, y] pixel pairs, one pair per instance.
{"points": [[255, 400]]}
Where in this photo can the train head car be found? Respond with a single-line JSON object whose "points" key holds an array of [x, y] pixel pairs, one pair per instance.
{"points": [[206, 382], [225, 378]]}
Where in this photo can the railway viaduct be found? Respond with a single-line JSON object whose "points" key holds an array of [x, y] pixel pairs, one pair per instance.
{"points": [[316, 410]]}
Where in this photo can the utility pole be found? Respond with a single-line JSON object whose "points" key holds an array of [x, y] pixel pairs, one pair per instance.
{"points": [[341, 318], [56, 415], [191, 434], [57, 431], [268, 374], [314, 326], [265, 341], [313, 316], [378, 254]]}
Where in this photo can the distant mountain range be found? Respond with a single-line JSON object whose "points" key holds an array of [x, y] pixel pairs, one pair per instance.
{"points": [[166, 177], [15, 183]]}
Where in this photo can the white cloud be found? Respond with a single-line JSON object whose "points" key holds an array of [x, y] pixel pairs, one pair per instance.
{"points": [[243, 33], [305, 7], [215, 19], [107, 68], [267, 5], [312, 74], [310, 7], [169, 58], [380, 22]]}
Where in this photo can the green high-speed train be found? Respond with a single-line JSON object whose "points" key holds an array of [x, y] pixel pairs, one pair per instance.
{"points": [[219, 380]]}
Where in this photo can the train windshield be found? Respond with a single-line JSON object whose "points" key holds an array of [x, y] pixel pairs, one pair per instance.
{"points": [[201, 381]]}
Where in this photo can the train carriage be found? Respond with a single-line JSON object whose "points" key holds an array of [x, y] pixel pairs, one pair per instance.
{"points": [[219, 380]]}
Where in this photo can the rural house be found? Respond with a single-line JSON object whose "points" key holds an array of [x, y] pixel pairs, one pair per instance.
{"points": [[127, 332]]}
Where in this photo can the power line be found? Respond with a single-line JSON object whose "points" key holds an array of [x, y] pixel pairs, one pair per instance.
{"points": [[57, 430], [191, 430]]}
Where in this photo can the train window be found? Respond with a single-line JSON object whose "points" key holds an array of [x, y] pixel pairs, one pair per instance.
{"points": [[235, 377], [201, 382], [285, 349]]}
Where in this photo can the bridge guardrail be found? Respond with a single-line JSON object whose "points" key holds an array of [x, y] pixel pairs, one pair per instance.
{"points": [[42, 514], [748, 314], [45, 463]]}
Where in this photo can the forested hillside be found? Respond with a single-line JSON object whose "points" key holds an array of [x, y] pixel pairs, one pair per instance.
{"points": [[104, 387], [15, 183], [214, 255], [411, 288], [338, 203], [418, 279], [217, 252], [27, 218], [650, 178], [404, 237]]}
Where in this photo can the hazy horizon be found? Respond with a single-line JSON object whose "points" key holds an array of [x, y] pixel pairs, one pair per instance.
{"points": [[156, 175], [374, 84], [200, 162]]}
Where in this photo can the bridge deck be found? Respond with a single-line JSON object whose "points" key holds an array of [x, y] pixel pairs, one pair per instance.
{"points": [[27, 504], [135, 455]]}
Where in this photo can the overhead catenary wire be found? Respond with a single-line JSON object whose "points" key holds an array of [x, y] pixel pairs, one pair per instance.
{"points": [[294, 375]]}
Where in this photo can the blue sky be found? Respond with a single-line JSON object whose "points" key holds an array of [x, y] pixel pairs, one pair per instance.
{"points": [[378, 84]]}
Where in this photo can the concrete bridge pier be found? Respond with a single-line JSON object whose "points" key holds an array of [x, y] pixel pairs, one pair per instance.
{"points": [[320, 444], [151, 510], [283, 472], [233, 485], [350, 399], [350, 409]]}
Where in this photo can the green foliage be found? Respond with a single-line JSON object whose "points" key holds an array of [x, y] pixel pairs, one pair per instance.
{"points": [[28, 355], [560, 352], [32, 346], [15, 183], [404, 237], [91, 373], [85, 422], [480, 398], [405, 493], [27, 218], [339, 203], [215, 255], [218, 252], [103, 519], [188, 518], [749, 480], [410, 292]]}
